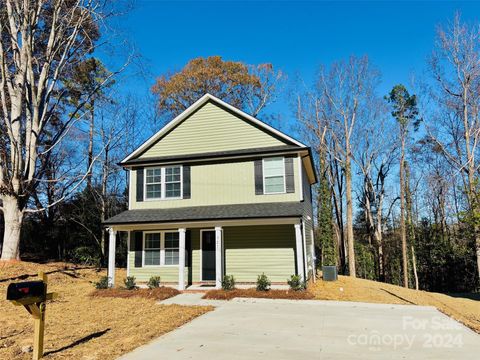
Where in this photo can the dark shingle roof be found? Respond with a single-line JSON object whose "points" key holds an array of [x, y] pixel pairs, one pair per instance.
{"points": [[238, 211], [214, 155]]}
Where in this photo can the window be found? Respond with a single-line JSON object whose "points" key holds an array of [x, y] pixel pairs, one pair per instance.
{"points": [[163, 182], [171, 248], [152, 249], [161, 248], [153, 183], [274, 175], [172, 182]]}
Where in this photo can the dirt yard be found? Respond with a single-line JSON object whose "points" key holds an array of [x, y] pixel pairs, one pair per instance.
{"points": [[464, 310], [79, 326]]}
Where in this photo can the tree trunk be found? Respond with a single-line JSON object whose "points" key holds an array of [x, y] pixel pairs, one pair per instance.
{"points": [[411, 226], [403, 234], [414, 263], [90, 145], [350, 239], [13, 217]]}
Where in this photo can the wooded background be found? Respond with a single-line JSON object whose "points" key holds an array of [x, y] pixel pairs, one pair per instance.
{"points": [[397, 198]]}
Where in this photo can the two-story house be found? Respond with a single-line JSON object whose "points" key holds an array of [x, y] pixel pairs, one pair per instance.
{"points": [[216, 191]]}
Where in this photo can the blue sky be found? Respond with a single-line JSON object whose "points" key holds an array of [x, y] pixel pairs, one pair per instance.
{"points": [[295, 36]]}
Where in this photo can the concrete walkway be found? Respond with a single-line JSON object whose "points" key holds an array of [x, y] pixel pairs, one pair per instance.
{"points": [[284, 329]]}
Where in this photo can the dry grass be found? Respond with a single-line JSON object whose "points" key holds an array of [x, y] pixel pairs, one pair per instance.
{"points": [[158, 294], [253, 293], [79, 326], [346, 288]]}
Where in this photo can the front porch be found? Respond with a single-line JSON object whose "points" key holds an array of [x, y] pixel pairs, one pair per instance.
{"points": [[244, 248]]}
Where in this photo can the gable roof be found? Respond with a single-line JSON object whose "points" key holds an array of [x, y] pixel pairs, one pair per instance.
{"points": [[197, 105]]}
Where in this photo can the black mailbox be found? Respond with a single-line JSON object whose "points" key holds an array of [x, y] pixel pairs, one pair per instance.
{"points": [[29, 291]]}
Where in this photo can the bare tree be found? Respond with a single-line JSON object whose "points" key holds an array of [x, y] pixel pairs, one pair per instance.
{"points": [[40, 41], [345, 91], [455, 66], [376, 153]]}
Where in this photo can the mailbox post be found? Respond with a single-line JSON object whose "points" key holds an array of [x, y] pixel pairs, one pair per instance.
{"points": [[33, 296]]}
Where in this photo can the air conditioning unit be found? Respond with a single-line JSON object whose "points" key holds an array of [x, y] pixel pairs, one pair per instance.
{"points": [[329, 273]]}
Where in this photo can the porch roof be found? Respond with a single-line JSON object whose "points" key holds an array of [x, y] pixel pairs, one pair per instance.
{"points": [[215, 212]]}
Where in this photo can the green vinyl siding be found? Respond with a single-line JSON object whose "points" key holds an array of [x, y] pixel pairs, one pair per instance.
{"points": [[249, 252], [169, 274], [253, 250], [308, 223], [211, 129], [218, 184]]}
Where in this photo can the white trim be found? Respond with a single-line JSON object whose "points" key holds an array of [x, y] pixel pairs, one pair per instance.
{"points": [[284, 175], [162, 247], [181, 258], [112, 239], [300, 176], [206, 224], [128, 253], [200, 278], [162, 183], [298, 249], [304, 240], [313, 256], [218, 256], [193, 108]]}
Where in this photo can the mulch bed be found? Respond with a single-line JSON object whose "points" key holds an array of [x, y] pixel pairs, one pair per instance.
{"points": [[160, 293], [253, 293]]}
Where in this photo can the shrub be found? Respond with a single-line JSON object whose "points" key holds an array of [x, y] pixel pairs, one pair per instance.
{"points": [[154, 282], [130, 283], [228, 282], [102, 283], [263, 284], [296, 283], [84, 255]]}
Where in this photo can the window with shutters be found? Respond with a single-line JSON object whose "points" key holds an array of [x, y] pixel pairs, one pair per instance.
{"points": [[161, 248], [274, 175], [163, 183], [152, 249]]}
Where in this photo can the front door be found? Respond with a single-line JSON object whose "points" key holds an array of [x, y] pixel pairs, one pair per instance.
{"points": [[208, 255]]}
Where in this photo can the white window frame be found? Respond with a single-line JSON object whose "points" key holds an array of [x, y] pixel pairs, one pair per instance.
{"points": [[284, 176], [163, 190], [162, 248], [143, 248]]}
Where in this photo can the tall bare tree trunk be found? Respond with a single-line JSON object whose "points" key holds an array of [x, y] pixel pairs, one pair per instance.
{"points": [[411, 225], [13, 217], [90, 145], [403, 234], [348, 193]]}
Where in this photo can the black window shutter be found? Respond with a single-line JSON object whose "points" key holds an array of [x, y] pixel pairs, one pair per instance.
{"points": [[139, 183], [258, 177], [138, 248], [186, 182], [289, 176]]}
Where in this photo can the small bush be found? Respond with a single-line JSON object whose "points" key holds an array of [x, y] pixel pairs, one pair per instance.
{"points": [[154, 282], [102, 283], [263, 284], [228, 282], [130, 283], [296, 283]]}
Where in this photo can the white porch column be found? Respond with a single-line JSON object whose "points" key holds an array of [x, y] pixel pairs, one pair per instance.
{"points": [[299, 251], [218, 257], [314, 269], [181, 259], [111, 256]]}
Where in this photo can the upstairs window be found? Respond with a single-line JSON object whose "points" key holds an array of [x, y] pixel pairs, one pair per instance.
{"points": [[274, 175], [163, 183]]}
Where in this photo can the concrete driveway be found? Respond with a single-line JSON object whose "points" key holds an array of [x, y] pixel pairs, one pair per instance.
{"points": [[283, 329]]}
